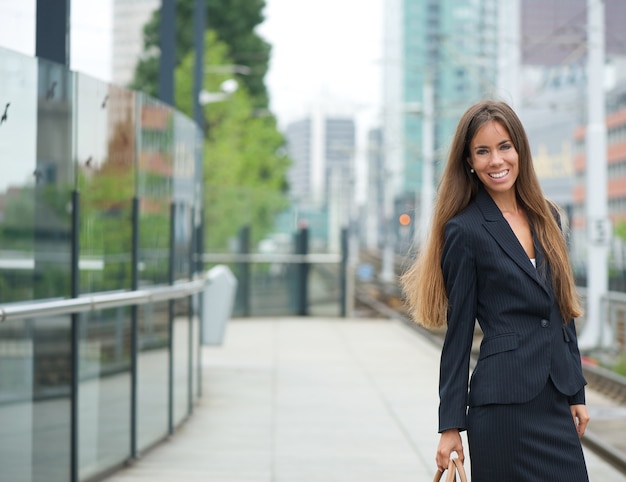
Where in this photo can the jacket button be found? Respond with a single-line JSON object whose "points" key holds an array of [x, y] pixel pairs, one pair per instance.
{"points": [[544, 323]]}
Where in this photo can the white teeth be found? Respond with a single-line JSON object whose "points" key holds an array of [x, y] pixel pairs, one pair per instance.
{"points": [[499, 174]]}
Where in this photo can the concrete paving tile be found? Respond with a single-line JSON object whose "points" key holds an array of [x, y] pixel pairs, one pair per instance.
{"points": [[310, 400]]}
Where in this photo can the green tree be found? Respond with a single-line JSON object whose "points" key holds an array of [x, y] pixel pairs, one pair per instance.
{"points": [[244, 163], [234, 21], [620, 230]]}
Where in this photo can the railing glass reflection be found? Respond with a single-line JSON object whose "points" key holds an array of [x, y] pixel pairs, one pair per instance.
{"points": [[97, 198]]}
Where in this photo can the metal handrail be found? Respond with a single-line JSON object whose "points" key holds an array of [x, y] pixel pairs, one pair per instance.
{"points": [[312, 258], [100, 301]]}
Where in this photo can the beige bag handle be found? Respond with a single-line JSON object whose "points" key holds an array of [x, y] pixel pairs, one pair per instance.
{"points": [[455, 466]]}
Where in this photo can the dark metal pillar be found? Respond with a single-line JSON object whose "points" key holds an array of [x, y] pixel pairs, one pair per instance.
{"points": [[171, 306], [302, 247], [75, 340], [134, 331], [243, 268], [53, 31], [199, 26], [343, 274], [191, 315], [167, 43]]}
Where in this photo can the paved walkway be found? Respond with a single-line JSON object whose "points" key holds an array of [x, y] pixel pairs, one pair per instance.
{"points": [[312, 400]]}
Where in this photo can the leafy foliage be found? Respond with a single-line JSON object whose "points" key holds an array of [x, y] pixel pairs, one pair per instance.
{"points": [[234, 21], [244, 163]]}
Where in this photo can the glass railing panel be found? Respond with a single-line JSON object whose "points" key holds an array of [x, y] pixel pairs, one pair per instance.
{"points": [[152, 374], [272, 289], [181, 354], [64, 134], [52, 395], [18, 161], [41, 353], [183, 236], [16, 400], [183, 333], [195, 351], [53, 182], [324, 289], [186, 192], [155, 154], [105, 389], [105, 153]]}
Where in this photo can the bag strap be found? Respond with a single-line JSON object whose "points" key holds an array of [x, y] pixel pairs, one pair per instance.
{"points": [[460, 469], [455, 466]]}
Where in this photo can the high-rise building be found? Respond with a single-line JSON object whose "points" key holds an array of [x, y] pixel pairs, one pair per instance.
{"points": [[453, 44], [616, 182], [129, 18], [322, 147], [554, 32], [554, 108], [372, 216]]}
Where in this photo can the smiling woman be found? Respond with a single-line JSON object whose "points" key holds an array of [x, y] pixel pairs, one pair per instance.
{"points": [[494, 159], [496, 256]]}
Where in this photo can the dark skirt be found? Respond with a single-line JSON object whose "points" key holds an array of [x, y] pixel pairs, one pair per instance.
{"points": [[530, 442]]}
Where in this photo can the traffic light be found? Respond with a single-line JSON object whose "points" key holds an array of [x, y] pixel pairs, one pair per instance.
{"points": [[404, 219]]}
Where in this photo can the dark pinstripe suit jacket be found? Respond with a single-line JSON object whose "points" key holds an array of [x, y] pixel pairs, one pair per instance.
{"points": [[489, 278]]}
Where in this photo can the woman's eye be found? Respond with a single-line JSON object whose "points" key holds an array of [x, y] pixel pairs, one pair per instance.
{"points": [[506, 147]]}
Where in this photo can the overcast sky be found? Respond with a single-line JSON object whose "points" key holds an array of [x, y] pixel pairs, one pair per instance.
{"points": [[323, 46], [319, 46]]}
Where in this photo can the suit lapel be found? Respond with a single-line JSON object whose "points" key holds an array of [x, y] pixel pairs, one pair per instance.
{"points": [[543, 268], [501, 231]]}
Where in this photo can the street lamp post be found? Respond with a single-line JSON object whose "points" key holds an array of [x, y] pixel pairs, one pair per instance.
{"points": [[198, 69], [428, 161], [596, 332], [227, 88]]}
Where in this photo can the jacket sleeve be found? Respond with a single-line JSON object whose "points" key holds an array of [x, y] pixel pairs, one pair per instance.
{"points": [[579, 397], [459, 274]]}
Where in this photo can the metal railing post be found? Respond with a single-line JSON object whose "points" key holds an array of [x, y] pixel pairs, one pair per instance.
{"points": [[200, 270], [243, 269], [170, 307], [190, 309], [343, 274], [75, 341], [302, 248], [134, 329]]}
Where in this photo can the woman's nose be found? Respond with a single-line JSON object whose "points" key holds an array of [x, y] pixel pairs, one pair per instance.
{"points": [[496, 159]]}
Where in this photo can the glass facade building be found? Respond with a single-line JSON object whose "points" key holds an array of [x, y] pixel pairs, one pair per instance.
{"points": [[453, 44]]}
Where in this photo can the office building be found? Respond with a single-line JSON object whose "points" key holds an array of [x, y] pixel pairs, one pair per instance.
{"points": [[454, 46], [129, 19], [554, 32], [322, 146]]}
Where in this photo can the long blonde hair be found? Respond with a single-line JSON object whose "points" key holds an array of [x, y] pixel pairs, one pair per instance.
{"points": [[422, 283]]}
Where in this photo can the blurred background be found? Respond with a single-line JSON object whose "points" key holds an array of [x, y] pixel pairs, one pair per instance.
{"points": [[344, 110], [347, 109], [144, 142]]}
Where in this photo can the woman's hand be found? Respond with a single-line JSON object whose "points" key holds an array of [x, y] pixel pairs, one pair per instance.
{"points": [[581, 418], [449, 442]]}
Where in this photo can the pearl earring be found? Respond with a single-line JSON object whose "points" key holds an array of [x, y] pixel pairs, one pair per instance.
{"points": [[472, 170]]}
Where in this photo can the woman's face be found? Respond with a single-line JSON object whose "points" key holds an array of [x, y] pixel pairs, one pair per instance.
{"points": [[494, 158]]}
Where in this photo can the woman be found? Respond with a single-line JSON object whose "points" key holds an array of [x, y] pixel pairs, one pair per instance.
{"points": [[496, 255]]}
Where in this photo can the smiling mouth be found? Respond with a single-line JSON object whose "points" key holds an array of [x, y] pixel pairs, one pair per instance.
{"points": [[499, 175]]}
